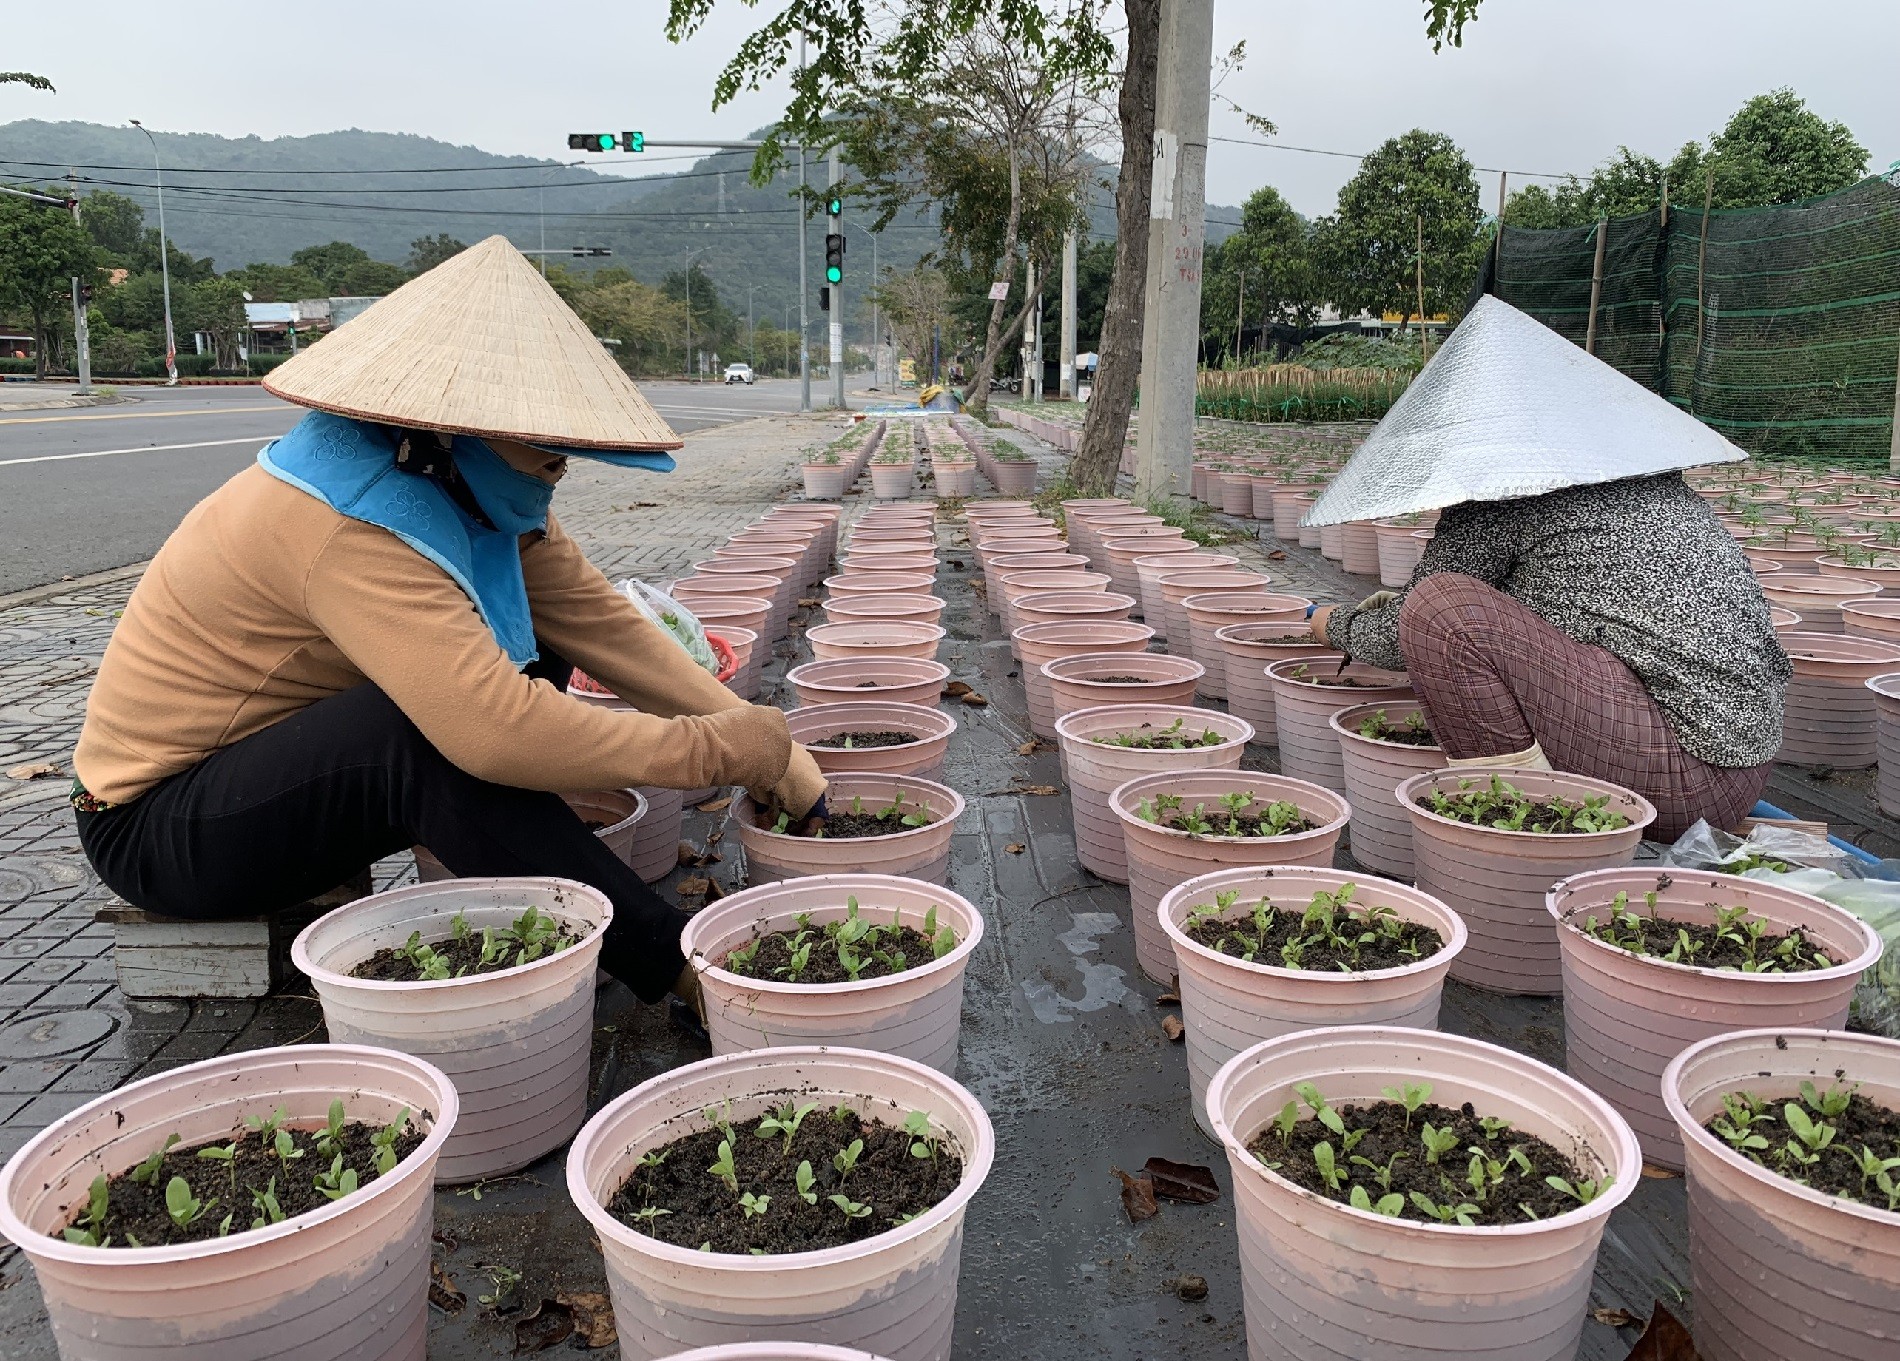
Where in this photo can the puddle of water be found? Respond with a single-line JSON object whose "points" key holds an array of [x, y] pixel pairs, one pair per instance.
{"points": [[1103, 985]]}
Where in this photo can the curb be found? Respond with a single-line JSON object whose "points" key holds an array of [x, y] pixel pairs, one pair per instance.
{"points": [[33, 595]]}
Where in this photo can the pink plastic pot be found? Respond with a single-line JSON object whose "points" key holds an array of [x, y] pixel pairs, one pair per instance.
{"points": [[515, 1042], [913, 1014], [1236, 493], [1323, 1279], [1247, 650], [1262, 489], [1398, 552], [1289, 505], [1151, 567], [754, 616], [1160, 858], [656, 836], [1332, 542], [1816, 598], [715, 587], [1037, 644], [1829, 718], [1886, 578], [862, 584], [1303, 709], [1081, 681], [893, 1294], [815, 728], [917, 852], [1371, 771], [349, 1280], [884, 608], [892, 639], [1782, 1272], [1120, 550], [1626, 1016], [1496, 880], [1229, 1003], [1013, 478], [1049, 607], [999, 565], [954, 479], [1886, 692], [1013, 586], [825, 481], [1095, 770], [1176, 587], [1359, 548], [900, 680], [745, 682], [857, 564], [1208, 613], [893, 481], [1869, 619]]}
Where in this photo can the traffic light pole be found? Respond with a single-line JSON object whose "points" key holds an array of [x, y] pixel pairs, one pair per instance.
{"points": [[804, 288], [837, 314]]}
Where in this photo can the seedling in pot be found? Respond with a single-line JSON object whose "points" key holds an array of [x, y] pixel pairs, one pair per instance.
{"points": [[784, 1122], [1734, 941], [1503, 806]]}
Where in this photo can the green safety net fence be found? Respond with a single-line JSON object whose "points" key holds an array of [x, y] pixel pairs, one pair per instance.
{"points": [[1779, 327]]}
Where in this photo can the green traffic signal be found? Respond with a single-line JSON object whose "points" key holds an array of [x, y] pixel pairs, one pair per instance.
{"points": [[604, 142], [833, 274], [633, 141], [834, 205]]}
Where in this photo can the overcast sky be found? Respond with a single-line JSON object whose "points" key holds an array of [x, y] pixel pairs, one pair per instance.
{"points": [[1540, 85]]}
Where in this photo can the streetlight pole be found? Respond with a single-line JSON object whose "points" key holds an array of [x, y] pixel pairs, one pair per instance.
{"points": [[751, 350], [689, 307], [164, 262], [804, 291]]}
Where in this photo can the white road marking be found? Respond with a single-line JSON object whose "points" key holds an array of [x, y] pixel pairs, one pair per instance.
{"points": [[259, 440]]}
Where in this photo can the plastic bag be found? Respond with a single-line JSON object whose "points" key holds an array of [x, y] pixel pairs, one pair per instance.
{"points": [[675, 619], [1703, 847]]}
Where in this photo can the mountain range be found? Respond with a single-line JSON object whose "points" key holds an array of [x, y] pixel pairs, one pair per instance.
{"points": [[242, 200]]}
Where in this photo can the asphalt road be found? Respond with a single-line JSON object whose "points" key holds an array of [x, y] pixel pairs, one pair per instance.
{"points": [[87, 489]]}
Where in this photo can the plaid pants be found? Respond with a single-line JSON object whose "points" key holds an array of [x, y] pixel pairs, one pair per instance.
{"points": [[1495, 676]]}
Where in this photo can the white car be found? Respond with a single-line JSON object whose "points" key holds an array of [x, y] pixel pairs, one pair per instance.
{"points": [[739, 373]]}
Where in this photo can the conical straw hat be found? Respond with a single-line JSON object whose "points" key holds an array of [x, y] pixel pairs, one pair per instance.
{"points": [[479, 345], [1509, 408]]}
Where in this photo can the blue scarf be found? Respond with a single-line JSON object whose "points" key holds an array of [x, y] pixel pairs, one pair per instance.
{"points": [[350, 466]]}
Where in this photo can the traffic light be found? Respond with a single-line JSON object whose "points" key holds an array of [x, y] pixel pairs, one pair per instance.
{"points": [[633, 141], [590, 141], [824, 299], [593, 250], [85, 293], [834, 257]]}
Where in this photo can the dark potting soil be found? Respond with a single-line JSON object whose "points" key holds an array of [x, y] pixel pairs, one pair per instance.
{"points": [[1837, 1168], [860, 741], [1121, 680], [1391, 1143], [1412, 732], [136, 1212], [1318, 950], [1710, 946], [865, 685], [892, 951], [696, 1208], [1340, 682], [463, 957], [864, 824]]}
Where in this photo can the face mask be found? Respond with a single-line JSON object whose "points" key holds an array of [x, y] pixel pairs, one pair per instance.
{"points": [[515, 502]]}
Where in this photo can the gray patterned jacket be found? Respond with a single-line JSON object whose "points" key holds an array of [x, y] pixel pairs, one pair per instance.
{"points": [[1640, 567]]}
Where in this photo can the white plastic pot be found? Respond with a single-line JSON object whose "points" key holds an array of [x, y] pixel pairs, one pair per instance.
{"points": [[1229, 1003], [775, 1351], [1626, 1016], [913, 1014], [515, 1042], [655, 852], [1319, 1279], [349, 1280], [893, 1294], [1371, 771], [1783, 1272]]}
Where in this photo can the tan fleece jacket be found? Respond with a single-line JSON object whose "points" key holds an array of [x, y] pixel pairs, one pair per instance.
{"points": [[265, 600]]}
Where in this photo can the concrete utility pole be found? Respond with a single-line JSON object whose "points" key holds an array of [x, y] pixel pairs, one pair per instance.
{"points": [[1065, 384], [164, 260], [804, 290], [1177, 234], [82, 333], [837, 311]]}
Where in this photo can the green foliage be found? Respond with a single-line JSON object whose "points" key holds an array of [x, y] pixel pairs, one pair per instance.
{"points": [[426, 252], [279, 283], [330, 262], [1264, 272], [1368, 247], [371, 279], [115, 223], [41, 250]]}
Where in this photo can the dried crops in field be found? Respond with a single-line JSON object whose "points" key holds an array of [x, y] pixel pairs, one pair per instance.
{"points": [[1289, 392]]}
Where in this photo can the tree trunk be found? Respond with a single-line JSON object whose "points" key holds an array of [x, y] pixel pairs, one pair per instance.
{"points": [[1105, 427], [39, 340], [976, 397]]}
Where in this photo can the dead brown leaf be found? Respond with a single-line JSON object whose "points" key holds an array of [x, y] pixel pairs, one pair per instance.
{"points": [[976, 701], [1168, 999], [1031, 747], [1613, 1318], [442, 1292], [1277, 555], [1171, 1027], [548, 1324], [1190, 1183], [1193, 1289], [1138, 1196], [718, 805], [716, 837], [1665, 1339], [593, 1317], [1043, 790], [693, 885], [956, 689], [809, 602], [693, 858], [642, 505], [35, 770], [1015, 848], [1655, 1173], [714, 891]]}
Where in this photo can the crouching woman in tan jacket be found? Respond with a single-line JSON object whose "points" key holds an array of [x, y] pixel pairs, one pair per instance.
{"points": [[362, 643]]}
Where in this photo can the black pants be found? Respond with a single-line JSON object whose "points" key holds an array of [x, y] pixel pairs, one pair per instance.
{"points": [[298, 808]]}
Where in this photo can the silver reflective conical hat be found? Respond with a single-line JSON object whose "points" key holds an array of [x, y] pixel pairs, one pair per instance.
{"points": [[1510, 408]]}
